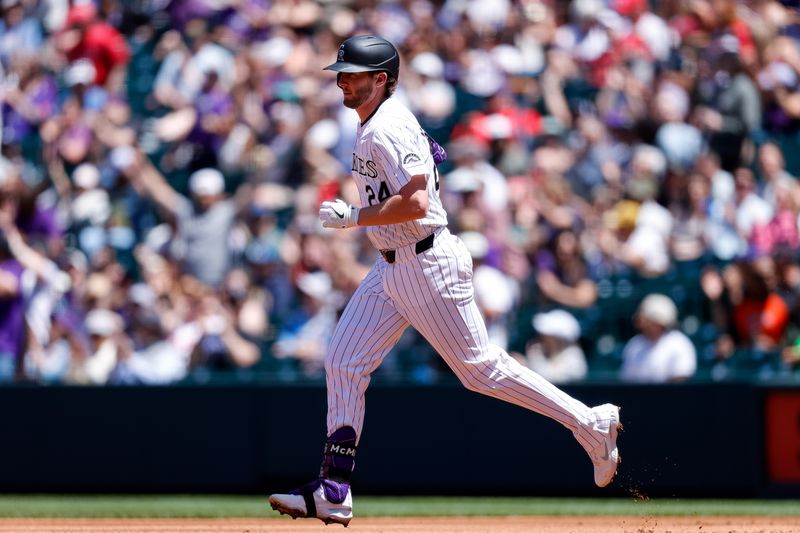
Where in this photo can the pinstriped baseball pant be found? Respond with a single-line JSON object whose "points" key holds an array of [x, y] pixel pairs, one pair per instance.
{"points": [[432, 291]]}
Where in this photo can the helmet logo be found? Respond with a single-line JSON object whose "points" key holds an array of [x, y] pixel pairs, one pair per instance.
{"points": [[341, 54]]}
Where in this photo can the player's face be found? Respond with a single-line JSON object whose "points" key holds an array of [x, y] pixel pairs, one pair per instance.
{"points": [[357, 87]]}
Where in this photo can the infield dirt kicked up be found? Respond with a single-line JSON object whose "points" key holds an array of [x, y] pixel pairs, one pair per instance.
{"points": [[501, 524]]}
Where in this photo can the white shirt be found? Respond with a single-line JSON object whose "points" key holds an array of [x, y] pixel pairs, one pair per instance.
{"points": [[390, 148], [567, 365], [670, 357]]}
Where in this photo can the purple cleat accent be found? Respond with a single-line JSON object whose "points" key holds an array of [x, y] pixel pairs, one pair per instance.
{"points": [[325, 499]]}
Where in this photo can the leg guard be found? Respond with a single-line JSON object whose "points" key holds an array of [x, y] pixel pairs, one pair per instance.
{"points": [[339, 457]]}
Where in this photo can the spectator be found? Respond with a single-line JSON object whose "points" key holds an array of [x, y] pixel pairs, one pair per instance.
{"points": [[751, 209], [730, 110], [660, 353], [202, 224], [104, 328], [773, 174], [29, 99], [18, 31], [495, 292], [646, 248], [571, 127], [556, 355], [86, 36], [562, 275], [12, 312], [222, 344], [307, 332], [758, 314]]}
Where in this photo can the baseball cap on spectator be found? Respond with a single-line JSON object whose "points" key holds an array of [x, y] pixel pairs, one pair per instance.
{"points": [[437, 99], [557, 323], [323, 134], [660, 309], [317, 285], [463, 180], [477, 244], [498, 126], [80, 72], [586, 9], [510, 59], [628, 8], [483, 76], [273, 52], [725, 45], [92, 205], [86, 176], [622, 216], [427, 64], [81, 13], [206, 182], [142, 295], [102, 322]]}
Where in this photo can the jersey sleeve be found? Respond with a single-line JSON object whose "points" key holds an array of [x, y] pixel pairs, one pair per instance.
{"points": [[402, 153]]}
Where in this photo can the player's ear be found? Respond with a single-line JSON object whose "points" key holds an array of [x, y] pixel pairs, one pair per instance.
{"points": [[382, 78]]}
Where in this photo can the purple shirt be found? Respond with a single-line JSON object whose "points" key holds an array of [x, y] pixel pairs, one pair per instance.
{"points": [[214, 102], [41, 223], [12, 313], [43, 95]]}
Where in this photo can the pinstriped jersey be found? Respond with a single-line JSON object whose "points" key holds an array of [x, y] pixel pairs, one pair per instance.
{"points": [[390, 148]]}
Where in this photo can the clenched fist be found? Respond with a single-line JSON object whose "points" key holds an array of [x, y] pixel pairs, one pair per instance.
{"points": [[338, 214]]}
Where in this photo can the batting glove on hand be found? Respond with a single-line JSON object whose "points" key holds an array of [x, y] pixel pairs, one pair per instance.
{"points": [[338, 214]]}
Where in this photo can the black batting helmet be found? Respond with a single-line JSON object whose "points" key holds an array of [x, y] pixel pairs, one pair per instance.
{"points": [[365, 53]]}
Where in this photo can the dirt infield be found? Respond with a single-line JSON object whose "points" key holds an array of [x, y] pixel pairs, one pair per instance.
{"points": [[510, 524]]}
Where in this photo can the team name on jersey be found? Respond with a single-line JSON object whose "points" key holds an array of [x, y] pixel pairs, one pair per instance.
{"points": [[365, 167]]}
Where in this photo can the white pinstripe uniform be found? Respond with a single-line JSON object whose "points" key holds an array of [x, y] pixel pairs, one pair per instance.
{"points": [[431, 291]]}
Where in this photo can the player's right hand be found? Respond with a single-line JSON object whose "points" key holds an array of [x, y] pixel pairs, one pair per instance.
{"points": [[338, 214]]}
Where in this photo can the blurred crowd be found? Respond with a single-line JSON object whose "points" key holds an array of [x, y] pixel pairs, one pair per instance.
{"points": [[623, 172]]}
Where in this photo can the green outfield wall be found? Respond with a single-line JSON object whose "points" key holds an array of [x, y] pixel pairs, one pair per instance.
{"points": [[703, 440]]}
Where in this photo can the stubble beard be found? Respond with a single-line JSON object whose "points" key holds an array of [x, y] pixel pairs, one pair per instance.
{"points": [[357, 98]]}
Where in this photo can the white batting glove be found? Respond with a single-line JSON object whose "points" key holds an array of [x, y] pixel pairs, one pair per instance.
{"points": [[338, 214]]}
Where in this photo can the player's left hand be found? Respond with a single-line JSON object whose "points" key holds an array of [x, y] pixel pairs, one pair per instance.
{"points": [[338, 214]]}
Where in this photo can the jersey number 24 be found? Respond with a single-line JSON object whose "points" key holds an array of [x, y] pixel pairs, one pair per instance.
{"points": [[383, 189]]}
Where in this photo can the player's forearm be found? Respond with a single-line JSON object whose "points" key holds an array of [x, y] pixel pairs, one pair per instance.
{"points": [[394, 210], [411, 203]]}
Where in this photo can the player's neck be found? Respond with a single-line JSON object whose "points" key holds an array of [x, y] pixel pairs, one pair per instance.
{"points": [[366, 110]]}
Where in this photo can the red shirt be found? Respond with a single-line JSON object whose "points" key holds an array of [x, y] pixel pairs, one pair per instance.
{"points": [[770, 317], [104, 46]]}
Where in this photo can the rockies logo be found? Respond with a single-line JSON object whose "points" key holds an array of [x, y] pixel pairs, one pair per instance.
{"points": [[341, 54]]}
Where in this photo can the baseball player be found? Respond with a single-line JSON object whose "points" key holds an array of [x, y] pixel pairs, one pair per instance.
{"points": [[423, 278]]}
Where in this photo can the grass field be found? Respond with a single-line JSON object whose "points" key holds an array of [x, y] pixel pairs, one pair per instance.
{"points": [[190, 506]]}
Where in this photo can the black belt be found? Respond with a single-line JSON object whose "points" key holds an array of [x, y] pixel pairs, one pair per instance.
{"points": [[421, 246]]}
